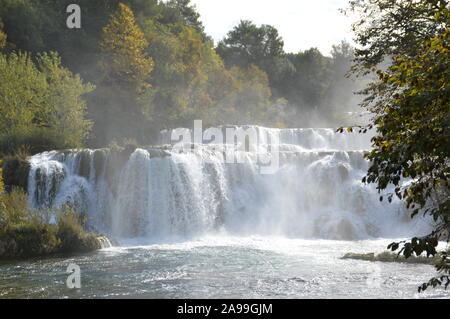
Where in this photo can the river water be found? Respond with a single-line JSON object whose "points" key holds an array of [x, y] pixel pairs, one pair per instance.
{"points": [[222, 267]]}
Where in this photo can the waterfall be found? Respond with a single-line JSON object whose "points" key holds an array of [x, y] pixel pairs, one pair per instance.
{"points": [[159, 192], [104, 242]]}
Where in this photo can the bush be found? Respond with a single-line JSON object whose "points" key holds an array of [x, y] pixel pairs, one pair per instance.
{"points": [[25, 232], [72, 235], [34, 141], [31, 239], [13, 209], [40, 104]]}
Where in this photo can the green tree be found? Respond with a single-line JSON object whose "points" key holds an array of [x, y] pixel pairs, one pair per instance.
{"points": [[182, 11], [27, 23], [41, 100], [140, 88], [411, 108], [64, 109], [22, 89], [249, 44], [391, 28], [191, 82], [306, 87]]}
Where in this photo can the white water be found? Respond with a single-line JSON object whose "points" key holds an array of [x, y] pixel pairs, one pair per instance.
{"points": [[161, 194]]}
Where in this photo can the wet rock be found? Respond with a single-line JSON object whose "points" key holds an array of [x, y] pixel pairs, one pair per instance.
{"points": [[388, 256]]}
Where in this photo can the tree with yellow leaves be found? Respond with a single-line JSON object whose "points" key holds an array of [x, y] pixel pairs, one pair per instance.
{"points": [[123, 44], [124, 94]]}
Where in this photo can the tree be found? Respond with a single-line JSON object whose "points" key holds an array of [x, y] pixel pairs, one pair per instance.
{"points": [[182, 10], [151, 62], [183, 64], [391, 28], [411, 108], [40, 101], [21, 87], [123, 45], [35, 23], [249, 44], [124, 90], [306, 87], [253, 98], [340, 94], [64, 110]]}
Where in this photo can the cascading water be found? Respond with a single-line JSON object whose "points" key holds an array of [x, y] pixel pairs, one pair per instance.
{"points": [[160, 192]]}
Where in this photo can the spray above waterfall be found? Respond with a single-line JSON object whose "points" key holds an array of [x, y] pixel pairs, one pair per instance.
{"points": [[182, 189], [228, 143]]}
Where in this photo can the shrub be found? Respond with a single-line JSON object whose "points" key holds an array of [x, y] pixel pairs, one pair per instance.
{"points": [[71, 234], [13, 209], [40, 104], [25, 232], [34, 141], [31, 239]]}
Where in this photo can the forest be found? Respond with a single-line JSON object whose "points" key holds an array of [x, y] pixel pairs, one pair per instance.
{"points": [[137, 67]]}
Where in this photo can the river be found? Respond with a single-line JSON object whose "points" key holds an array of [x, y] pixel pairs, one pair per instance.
{"points": [[222, 267]]}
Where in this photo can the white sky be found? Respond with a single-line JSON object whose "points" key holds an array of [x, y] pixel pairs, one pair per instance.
{"points": [[301, 23]]}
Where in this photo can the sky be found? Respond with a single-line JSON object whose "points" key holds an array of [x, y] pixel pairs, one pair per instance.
{"points": [[301, 23]]}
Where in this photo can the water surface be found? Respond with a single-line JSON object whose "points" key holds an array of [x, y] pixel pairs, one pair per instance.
{"points": [[222, 267]]}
